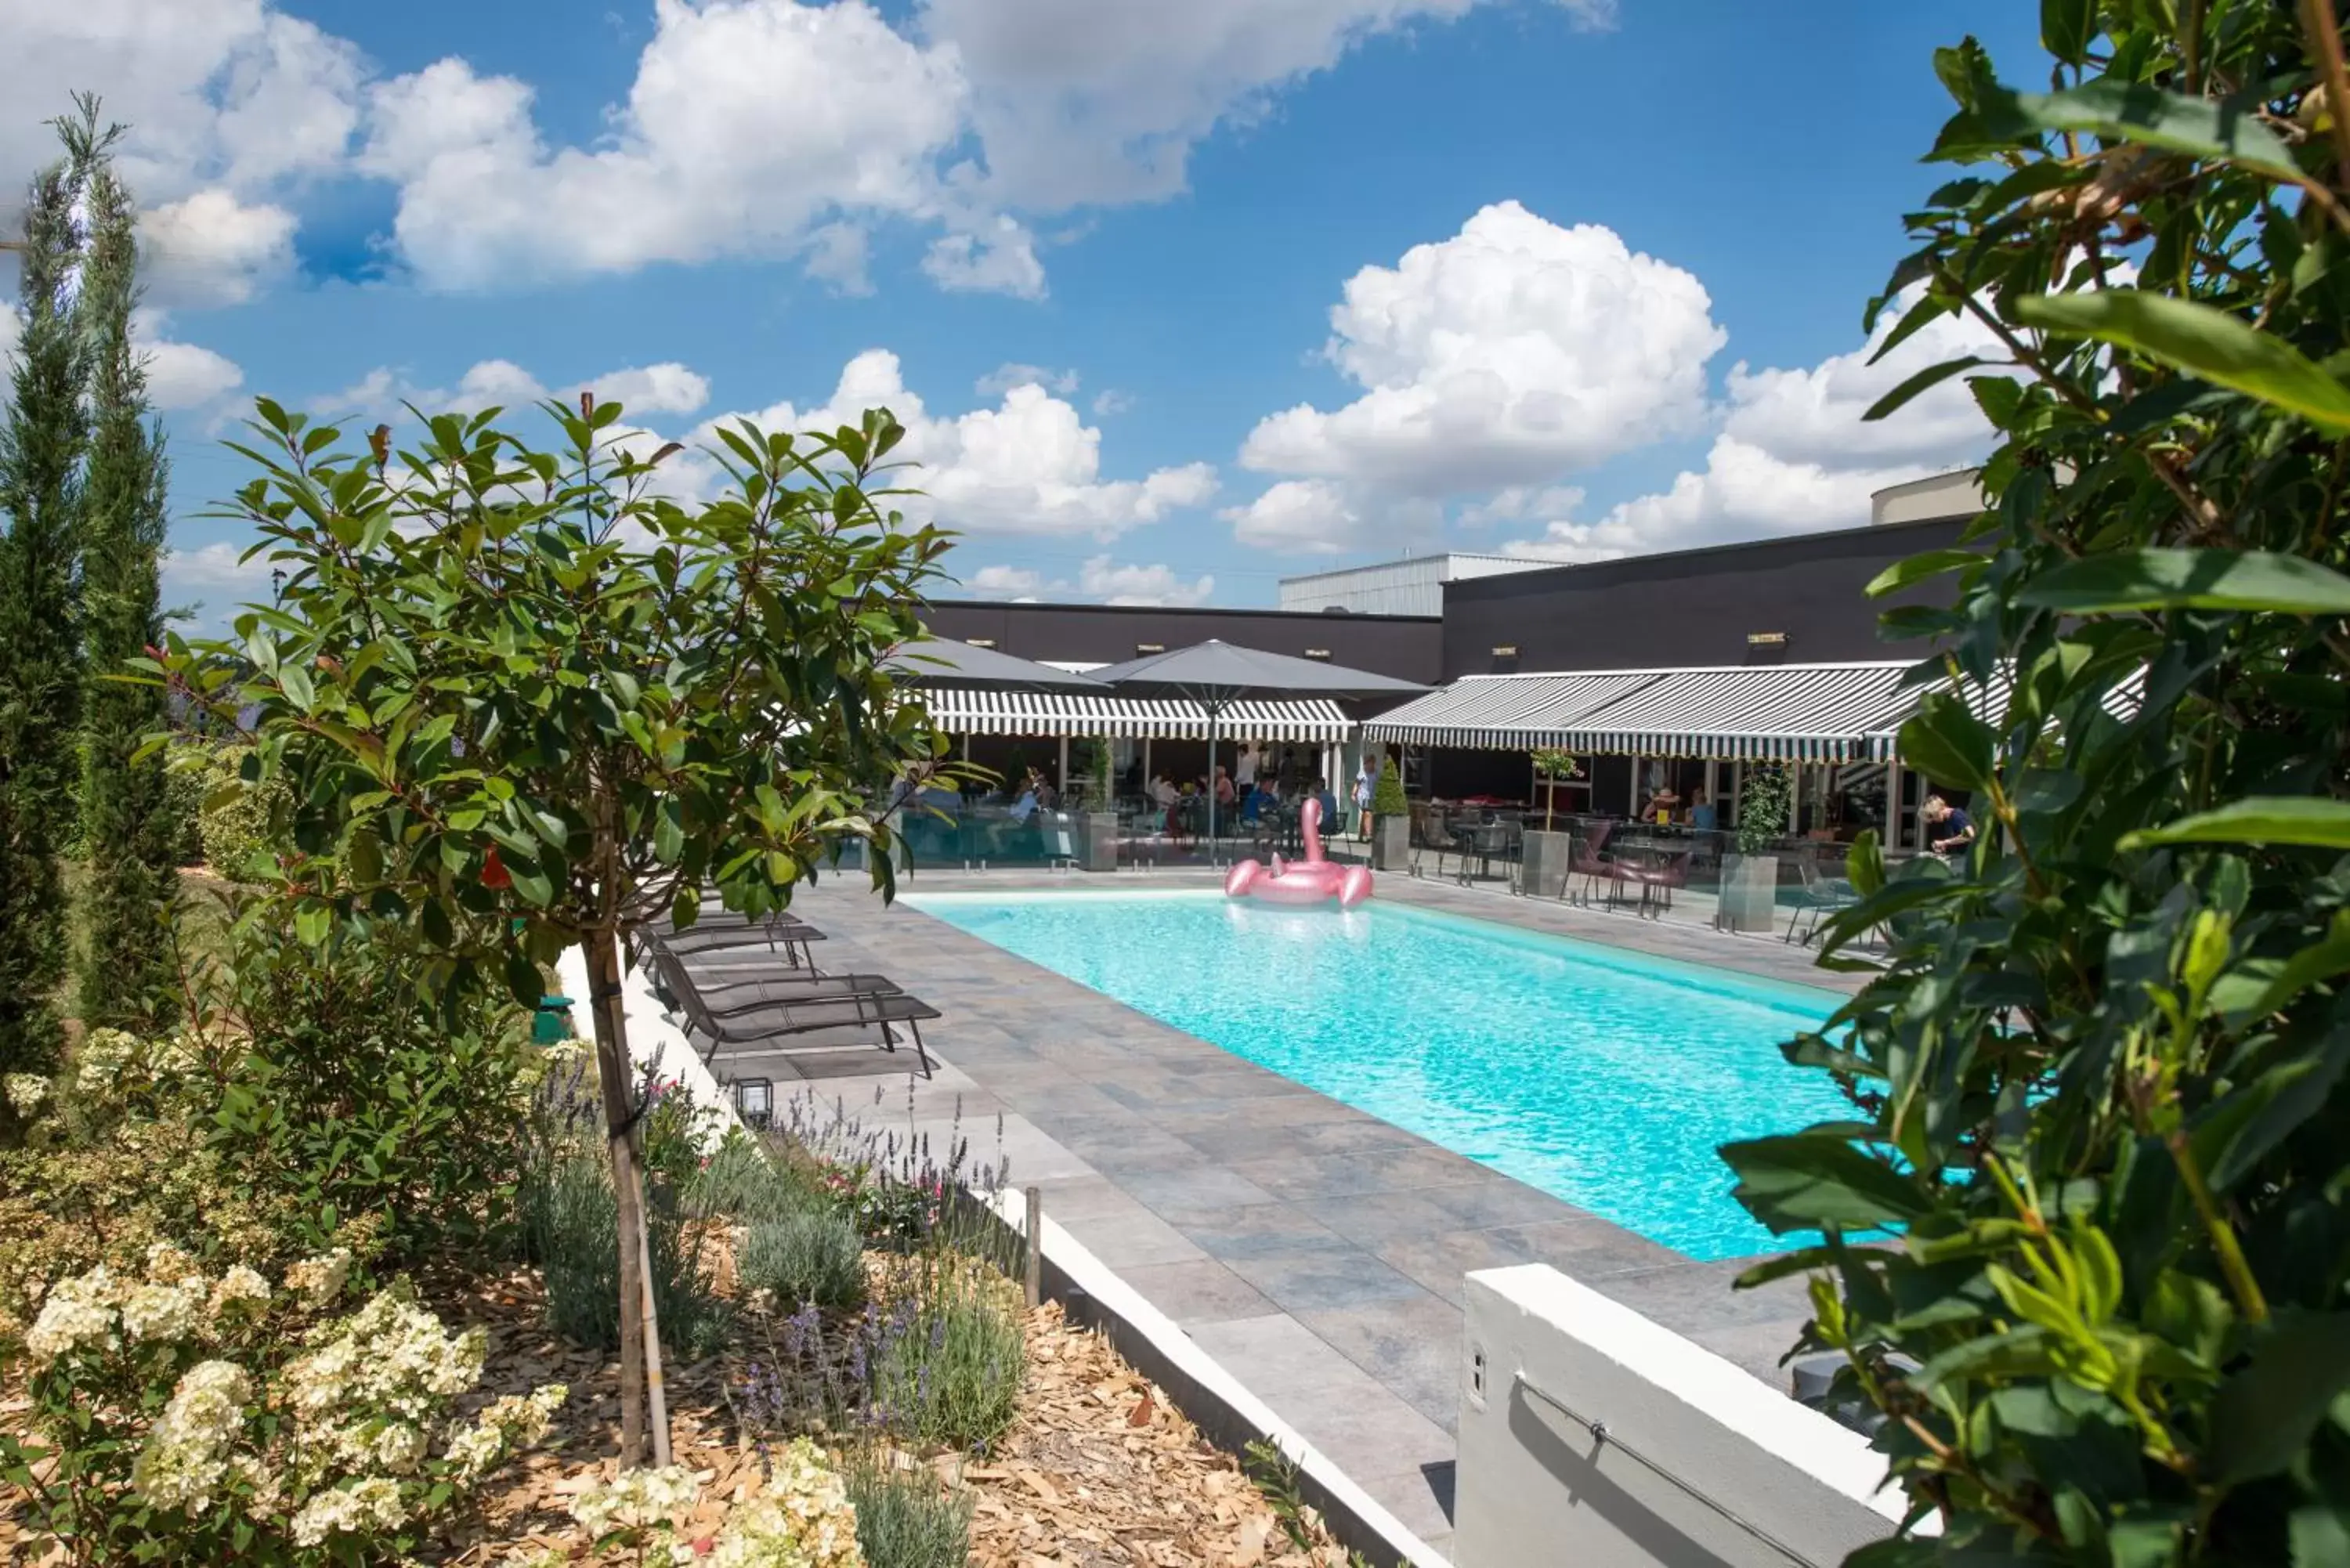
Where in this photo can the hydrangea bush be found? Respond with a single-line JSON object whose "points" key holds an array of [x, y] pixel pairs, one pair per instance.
{"points": [[802, 1518], [182, 1417]]}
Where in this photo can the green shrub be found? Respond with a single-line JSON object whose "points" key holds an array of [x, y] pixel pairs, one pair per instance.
{"points": [[237, 818], [1761, 808], [1388, 798], [952, 1375], [363, 1093], [907, 1519], [811, 1256], [2097, 1084], [184, 788]]}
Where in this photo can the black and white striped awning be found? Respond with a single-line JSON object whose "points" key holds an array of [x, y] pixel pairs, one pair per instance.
{"points": [[1786, 713], [968, 712], [1988, 702], [1506, 713]]}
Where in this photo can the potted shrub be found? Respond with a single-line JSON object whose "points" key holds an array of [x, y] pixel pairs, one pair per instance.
{"points": [[1099, 828], [1749, 878], [1390, 820], [1547, 853]]}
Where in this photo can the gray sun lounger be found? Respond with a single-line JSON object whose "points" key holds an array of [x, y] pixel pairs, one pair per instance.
{"points": [[796, 1007]]}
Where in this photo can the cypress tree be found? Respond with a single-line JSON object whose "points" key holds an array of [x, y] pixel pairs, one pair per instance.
{"points": [[41, 448], [125, 978]]}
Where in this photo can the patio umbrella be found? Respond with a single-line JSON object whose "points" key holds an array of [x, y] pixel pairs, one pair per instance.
{"points": [[944, 662], [1216, 674]]}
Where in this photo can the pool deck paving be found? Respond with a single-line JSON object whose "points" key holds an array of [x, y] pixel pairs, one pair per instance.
{"points": [[1315, 1250]]}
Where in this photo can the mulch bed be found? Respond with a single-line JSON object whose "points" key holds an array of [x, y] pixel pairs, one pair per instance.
{"points": [[1099, 1469]]}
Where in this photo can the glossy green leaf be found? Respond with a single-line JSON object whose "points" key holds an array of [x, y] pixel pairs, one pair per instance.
{"points": [[1944, 741], [2205, 342], [2265, 1415], [2149, 579], [2067, 28], [2125, 111], [1805, 1180], [1932, 376], [1918, 568], [2263, 819]]}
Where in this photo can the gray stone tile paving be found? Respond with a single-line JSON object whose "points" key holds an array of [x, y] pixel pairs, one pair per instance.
{"points": [[1315, 1250]]}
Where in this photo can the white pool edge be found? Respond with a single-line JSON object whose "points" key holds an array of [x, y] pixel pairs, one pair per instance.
{"points": [[1121, 1299]]}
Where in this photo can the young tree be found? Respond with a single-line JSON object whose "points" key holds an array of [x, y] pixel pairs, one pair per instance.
{"points": [[2099, 1084], [125, 979], [524, 705], [41, 448]]}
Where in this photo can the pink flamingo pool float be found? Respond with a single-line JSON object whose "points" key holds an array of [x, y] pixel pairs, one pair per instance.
{"points": [[1308, 881]]}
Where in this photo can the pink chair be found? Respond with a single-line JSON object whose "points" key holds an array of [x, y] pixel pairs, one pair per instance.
{"points": [[1588, 863], [1657, 882]]}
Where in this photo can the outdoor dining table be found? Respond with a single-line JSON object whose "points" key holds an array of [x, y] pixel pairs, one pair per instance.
{"points": [[1485, 840]]}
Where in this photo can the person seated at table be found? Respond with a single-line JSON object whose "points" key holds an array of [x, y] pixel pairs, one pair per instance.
{"points": [[1330, 803], [1224, 788], [1659, 806], [1260, 799], [1702, 815]]}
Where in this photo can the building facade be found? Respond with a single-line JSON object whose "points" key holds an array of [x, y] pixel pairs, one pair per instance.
{"points": [[1413, 586]]}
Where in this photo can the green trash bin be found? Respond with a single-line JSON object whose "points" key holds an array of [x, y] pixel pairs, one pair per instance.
{"points": [[551, 1024]]}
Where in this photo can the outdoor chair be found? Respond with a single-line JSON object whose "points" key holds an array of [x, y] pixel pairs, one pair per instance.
{"points": [[802, 1010], [785, 936], [1439, 837], [1588, 863], [1817, 899], [1657, 882]]}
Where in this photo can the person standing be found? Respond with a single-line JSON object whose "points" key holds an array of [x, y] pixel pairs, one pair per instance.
{"points": [[1244, 771], [1364, 788]]}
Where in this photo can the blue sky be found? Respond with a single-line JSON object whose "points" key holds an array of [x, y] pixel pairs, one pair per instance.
{"points": [[1182, 299]]}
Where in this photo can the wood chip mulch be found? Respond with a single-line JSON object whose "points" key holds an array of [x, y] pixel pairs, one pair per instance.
{"points": [[1098, 1469]]}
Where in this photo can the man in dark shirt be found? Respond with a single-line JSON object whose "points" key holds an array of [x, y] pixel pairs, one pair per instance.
{"points": [[1949, 830]]}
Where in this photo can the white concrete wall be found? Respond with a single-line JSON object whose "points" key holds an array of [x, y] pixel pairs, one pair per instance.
{"points": [[654, 1042], [1536, 1486]]}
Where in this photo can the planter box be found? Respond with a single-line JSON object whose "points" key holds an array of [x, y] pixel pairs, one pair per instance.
{"points": [[1547, 856], [1391, 844], [1097, 840], [1749, 893]]}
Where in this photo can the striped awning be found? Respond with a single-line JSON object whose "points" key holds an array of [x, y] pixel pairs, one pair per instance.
{"points": [[1988, 701], [1506, 713], [1789, 712], [968, 712]]}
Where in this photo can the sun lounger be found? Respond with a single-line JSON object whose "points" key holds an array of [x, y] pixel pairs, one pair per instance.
{"points": [[810, 1005]]}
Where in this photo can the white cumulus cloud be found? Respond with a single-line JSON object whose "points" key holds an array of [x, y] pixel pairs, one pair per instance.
{"points": [[1100, 577], [1076, 102], [1028, 465], [180, 375], [230, 104], [1012, 373], [1793, 455], [750, 125], [1510, 356]]}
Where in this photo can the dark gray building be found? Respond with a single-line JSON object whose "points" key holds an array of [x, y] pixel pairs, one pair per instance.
{"points": [[1801, 596], [1408, 647]]}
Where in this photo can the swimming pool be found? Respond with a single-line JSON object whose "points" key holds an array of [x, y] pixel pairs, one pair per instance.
{"points": [[1604, 1078]]}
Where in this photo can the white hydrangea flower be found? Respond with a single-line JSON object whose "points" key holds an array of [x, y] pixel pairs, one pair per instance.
{"points": [[637, 1498], [372, 1505], [80, 1311], [319, 1280], [107, 1058], [805, 1520], [28, 1093], [169, 1263], [511, 1421], [398, 1449], [163, 1312], [239, 1288], [184, 1459]]}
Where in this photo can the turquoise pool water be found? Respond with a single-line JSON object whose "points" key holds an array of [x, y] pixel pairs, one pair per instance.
{"points": [[1602, 1076]]}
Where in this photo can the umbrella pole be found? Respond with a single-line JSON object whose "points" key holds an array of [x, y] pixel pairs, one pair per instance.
{"points": [[1212, 712]]}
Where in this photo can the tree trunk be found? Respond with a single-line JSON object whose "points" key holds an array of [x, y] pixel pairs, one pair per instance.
{"points": [[640, 1323]]}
